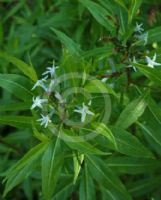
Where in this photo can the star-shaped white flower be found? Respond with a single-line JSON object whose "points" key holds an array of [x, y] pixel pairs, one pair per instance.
{"points": [[44, 120], [59, 97], [40, 83], [84, 111], [51, 86], [37, 102], [143, 37], [51, 70], [138, 28], [151, 62]]}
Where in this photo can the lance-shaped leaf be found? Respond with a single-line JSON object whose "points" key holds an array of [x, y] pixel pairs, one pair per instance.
{"points": [[102, 129], [126, 144], [154, 35], [72, 47], [134, 6], [144, 186], [17, 121], [79, 144], [18, 85], [14, 106], [104, 51], [155, 109], [51, 167], [86, 188], [106, 178], [131, 165], [152, 74], [23, 167], [132, 112], [151, 131], [97, 86], [99, 13], [65, 188], [22, 66], [77, 162]]}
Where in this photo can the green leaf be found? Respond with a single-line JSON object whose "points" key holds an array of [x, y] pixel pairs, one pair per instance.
{"points": [[130, 165], [65, 190], [97, 86], [122, 4], [155, 109], [17, 121], [132, 112], [134, 6], [17, 85], [100, 52], [72, 47], [51, 167], [77, 161], [22, 66], [76, 143], [152, 74], [40, 136], [152, 133], [128, 144], [154, 35], [14, 106], [99, 13], [106, 178], [123, 21], [102, 129], [86, 188], [23, 167], [144, 186]]}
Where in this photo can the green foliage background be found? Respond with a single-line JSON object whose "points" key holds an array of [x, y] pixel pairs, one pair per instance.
{"points": [[91, 37]]}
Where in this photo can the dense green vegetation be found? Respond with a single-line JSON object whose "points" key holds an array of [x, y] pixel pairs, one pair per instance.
{"points": [[80, 106]]}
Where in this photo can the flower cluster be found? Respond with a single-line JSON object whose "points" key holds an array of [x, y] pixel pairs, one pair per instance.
{"points": [[143, 36], [139, 34], [50, 99]]}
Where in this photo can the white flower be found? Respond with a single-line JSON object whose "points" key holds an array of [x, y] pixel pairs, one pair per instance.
{"points": [[151, 62], [45, 120], [51, 70], [104, 80], [51, 85], [138, 28], [143, 37], [84, 111], [40, 83], [59, 97], [37, 102]]}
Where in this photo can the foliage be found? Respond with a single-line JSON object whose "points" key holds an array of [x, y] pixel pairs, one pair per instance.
{"points": [[80, 99]]}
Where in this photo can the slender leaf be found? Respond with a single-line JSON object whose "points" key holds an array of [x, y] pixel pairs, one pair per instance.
{"points": [[79, 144], [99, 13], [14, 106], [17, 121], [23, 167], [134, 6], [51, 168], [128, 144], [152, 74], [72, 47], [130, 165], [22, 66], [132, 112], [106, 178], [86, 189], [154, 35], [17, 85], [144, 186]]}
